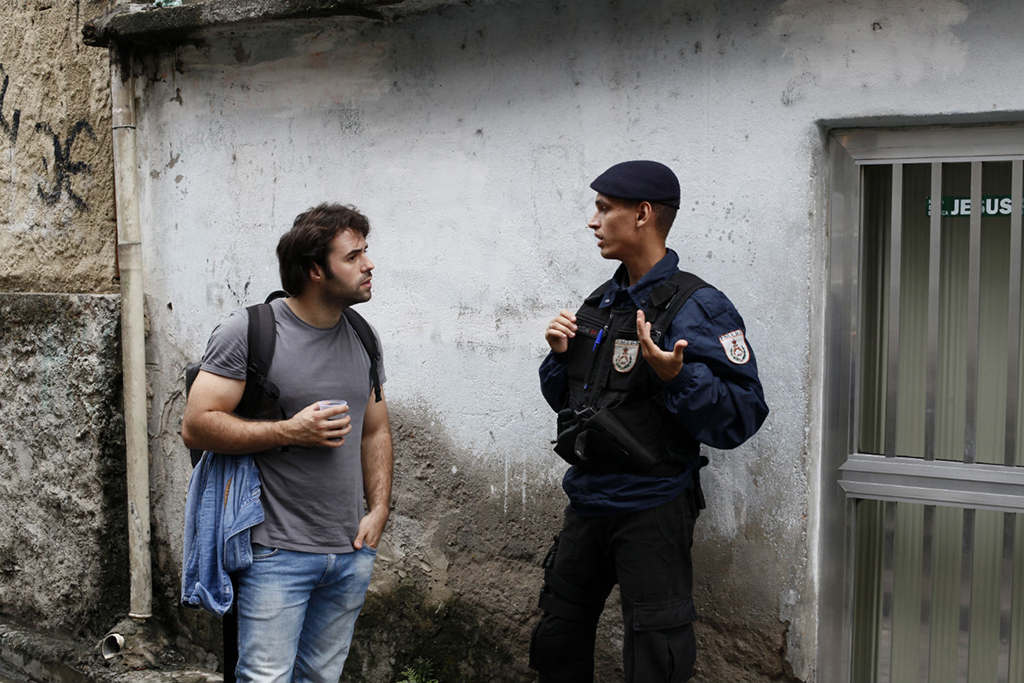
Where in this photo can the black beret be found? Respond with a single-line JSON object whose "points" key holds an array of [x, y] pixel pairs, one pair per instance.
{"points": [[641, 181]]}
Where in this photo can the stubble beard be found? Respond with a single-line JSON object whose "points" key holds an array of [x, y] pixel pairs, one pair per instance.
{"points": [[344, 296], [351, 297]]}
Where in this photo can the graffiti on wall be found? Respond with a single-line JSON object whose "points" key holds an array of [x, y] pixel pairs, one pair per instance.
{"points": [[10, 128], [58, 175], [63, 166]]}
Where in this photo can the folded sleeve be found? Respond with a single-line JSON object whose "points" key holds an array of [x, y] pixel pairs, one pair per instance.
{"points": [[227, 352]]}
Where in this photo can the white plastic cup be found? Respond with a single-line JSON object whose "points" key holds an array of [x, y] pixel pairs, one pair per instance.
{"points": [[332, 403]]}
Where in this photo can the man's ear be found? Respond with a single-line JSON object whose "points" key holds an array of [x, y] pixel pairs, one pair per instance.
{"points": [[644, 214], [316, 273]]}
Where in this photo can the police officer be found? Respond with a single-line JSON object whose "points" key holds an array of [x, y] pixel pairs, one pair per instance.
{"points": [[654, 363]]}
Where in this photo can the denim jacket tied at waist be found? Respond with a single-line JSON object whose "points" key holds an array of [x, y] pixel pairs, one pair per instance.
{"points": [[222, 506]]}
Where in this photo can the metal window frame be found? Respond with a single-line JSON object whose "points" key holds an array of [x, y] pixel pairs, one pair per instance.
{"points": [[939, 482], [847, 475]]}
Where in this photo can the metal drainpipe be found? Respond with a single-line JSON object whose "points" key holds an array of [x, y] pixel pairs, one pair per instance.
{"points": [[133, 342]]}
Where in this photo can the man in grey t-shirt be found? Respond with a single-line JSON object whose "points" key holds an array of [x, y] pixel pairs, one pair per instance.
{"points": [[313, 555]]}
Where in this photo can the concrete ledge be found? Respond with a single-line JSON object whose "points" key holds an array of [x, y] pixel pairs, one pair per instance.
{"points": [[42, 658], [143, 24]]}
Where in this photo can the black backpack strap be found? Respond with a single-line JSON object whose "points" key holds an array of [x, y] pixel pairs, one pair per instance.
{"points": [[668, 298], [369, 341], [262, 340]]}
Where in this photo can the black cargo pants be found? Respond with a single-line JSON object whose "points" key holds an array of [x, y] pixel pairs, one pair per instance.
{"points": [[648, 554]]}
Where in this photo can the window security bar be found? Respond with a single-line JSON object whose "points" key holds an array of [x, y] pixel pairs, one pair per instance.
{"points": [[936, 482]]}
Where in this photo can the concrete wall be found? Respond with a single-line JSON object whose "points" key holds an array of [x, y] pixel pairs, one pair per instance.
{"points": [[469, 136], [63, 543], [63, 564]]}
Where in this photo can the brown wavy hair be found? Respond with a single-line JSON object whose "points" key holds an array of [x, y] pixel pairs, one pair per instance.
{"points": [[309, 241]]}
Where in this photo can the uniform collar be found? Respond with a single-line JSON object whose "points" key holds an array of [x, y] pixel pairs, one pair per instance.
{"points": [[638, 293]]}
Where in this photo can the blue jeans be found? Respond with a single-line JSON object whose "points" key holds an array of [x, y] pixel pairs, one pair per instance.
{"points": [[296, 613]]}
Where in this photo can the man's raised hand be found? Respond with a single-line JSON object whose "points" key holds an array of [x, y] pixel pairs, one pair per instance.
{"points": [[666, 364], [560, 330]]}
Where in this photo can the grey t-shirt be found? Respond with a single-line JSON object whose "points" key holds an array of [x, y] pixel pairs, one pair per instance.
{"points": [[312, 497]]}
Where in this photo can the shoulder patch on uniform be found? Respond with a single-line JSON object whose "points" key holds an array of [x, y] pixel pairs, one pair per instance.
{"points": [[735, 345], [624, 357]]}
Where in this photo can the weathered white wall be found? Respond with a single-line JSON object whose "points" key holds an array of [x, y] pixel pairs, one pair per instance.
{"points": [[469, 137]]}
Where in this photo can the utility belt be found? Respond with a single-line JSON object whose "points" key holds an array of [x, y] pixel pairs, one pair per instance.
{"points": [[598, 440]]}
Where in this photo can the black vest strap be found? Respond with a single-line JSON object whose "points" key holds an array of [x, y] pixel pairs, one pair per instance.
{"points": [[595, 297], [666, 299], [669, 297]]}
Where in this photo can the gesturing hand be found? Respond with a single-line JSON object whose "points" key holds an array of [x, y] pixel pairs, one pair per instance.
{"points": [[560, 330], [666, 364]]}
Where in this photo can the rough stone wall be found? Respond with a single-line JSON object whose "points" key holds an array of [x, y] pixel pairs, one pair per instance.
{"points": [[63, 562], [57, 225], [63, 534]]}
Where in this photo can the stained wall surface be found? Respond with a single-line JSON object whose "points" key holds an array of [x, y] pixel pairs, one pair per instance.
{"points": [[63, 546], [57, 229], [469, 135], [63, 560]]}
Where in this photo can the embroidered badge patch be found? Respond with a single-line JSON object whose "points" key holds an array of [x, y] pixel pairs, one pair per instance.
{"points": [[625, 355], [735, 345]]}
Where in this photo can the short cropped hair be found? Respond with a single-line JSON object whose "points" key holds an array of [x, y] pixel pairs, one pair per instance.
{"points": [[663, 214], [309, 242]]}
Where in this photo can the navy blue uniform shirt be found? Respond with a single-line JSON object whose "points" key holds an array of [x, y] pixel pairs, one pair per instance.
{"points": [[716, 397]]}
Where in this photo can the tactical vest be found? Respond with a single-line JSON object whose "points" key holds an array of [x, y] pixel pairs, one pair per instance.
{"points": [[616, 419]]}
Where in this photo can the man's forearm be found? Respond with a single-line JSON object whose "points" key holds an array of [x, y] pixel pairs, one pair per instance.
{"points": [[226, 433], [377, 461]]}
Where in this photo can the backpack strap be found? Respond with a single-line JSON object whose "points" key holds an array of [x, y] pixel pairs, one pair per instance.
{"points": [[262, 339], [668, 298], [369, 341], [262, 342]]}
